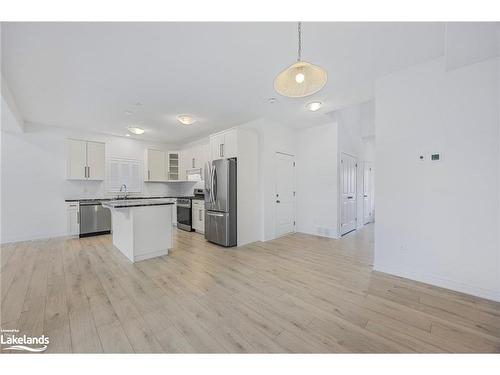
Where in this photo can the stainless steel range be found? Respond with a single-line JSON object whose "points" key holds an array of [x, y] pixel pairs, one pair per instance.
{"points": [[184, 214]]}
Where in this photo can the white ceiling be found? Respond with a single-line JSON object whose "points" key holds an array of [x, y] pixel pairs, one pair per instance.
{"points": [[86, 75]]}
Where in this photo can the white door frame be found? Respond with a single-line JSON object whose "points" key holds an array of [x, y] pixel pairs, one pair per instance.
{"points": [[339, 191], [368, 163], [294, 211]]}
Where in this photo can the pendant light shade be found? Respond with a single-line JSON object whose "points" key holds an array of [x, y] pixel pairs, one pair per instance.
{"points": [[302, 78]]}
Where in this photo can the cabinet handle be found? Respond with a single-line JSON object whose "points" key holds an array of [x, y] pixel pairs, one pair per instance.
{"points": [[88, 174], [220, 150], [85, 172], [149, 174], [199, 215], [193, 162]]}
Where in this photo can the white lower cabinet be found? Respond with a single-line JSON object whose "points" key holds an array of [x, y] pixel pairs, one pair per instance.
{"points": [[73, 218], [198, 222], [174, 213]]}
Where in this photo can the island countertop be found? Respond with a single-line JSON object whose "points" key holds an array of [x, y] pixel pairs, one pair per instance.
{"points": [[125, 203]]}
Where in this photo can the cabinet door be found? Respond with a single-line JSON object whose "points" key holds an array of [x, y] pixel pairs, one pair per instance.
{"points": [[203, 157], [192, 158], [229, 148], [76, 159], [156, 167], [195, 217], [73, 217], [174, 213], [173, 166], [216, 146], [95, 161], [184, 163], [202, 220]]}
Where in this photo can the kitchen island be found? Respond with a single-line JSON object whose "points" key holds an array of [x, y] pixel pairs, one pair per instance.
{"points": [[142, 229]]}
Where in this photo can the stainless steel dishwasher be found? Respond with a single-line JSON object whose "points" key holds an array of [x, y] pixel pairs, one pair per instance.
{"points": [[94, 219]]}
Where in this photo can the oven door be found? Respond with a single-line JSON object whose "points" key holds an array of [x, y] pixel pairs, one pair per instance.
{"points": [[184, 217]]}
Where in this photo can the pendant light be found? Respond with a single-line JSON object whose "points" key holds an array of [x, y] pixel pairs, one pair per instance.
{"points": [[302, 78]]}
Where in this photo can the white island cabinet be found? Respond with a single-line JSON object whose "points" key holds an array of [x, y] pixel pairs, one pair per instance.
{"points": [[142, 229]]}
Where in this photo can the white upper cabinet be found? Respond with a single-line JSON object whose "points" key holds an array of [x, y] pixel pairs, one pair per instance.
{"points": [[173, 166], [95, 161], [76, 159], [192, 159], [184, 163], [223, 145], [201, 156], [85, 160], [155, 165]]}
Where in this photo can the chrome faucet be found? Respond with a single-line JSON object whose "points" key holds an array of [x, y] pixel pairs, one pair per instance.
{"points": [[121, 189]]}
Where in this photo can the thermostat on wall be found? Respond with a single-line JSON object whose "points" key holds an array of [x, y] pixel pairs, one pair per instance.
{"points": [[436, 157]]}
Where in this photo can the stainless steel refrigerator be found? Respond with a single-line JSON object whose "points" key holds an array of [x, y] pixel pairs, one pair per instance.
{"points": [[220, 202]]}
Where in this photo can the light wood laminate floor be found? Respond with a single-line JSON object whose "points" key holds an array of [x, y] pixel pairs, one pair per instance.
{"points": [[298, 293]]}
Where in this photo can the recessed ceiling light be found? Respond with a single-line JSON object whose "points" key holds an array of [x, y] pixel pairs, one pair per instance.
{"points": [[135, 130], [186, 119], [313, 106]]}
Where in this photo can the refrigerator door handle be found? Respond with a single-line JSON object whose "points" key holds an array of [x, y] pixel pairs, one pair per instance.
{"points": [[215, 184], [208, 182], [212, 184]]}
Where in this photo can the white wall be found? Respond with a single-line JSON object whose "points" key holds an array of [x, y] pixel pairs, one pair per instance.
{"points": [[34, 185], [317, 180], [438, 222], [273, 137], [11, 119]]}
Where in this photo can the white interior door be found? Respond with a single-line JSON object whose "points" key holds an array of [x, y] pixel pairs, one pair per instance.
{"points": [[367, 192], [285, 194], [348, 165]]}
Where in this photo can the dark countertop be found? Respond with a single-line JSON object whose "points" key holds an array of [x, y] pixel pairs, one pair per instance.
{"points": [[128, 198], [126, 203]]}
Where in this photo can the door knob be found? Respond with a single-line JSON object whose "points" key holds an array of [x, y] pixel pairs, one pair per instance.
{"points": [[278, 201]]}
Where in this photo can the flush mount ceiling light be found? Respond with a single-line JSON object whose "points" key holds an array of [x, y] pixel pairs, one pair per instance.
{"points": [[186, 119], [313, 106], [302, 78], [135, 130]]}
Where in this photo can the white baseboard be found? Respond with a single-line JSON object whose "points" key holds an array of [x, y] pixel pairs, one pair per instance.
{"points": [[441, 282], [153, 254], [334, 236], [33, 238]]}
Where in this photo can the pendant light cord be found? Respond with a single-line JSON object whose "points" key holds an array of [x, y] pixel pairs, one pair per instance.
{"points": [[299, 29]]}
